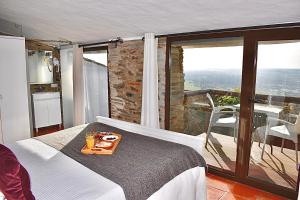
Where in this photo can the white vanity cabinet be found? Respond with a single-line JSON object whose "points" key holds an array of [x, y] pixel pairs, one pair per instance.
{"points": [[47, 109]]}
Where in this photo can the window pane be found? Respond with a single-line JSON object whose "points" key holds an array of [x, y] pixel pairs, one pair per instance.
{"points": [[275, 120], [205, 81]]}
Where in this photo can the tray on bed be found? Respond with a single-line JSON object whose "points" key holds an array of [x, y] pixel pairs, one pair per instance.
{"points": [[103, 150]]}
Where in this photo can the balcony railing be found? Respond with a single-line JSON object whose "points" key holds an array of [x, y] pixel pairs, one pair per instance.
{"points": [[261, 98], [197, 111]]}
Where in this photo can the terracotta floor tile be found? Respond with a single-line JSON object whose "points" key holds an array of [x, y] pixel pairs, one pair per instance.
{"points": [[236, 191], [246, 191], [220, 183], [47, 130], [250, 192], [230, 196], [214, 193]]}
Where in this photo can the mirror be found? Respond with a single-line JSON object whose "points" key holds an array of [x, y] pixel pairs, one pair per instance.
{"points": [[40, 66]]}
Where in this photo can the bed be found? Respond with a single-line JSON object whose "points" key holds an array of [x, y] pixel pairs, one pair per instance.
{"points": [[56, 176]]}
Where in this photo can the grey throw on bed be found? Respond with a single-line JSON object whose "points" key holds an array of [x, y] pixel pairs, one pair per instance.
{"points": [[141, 165]]}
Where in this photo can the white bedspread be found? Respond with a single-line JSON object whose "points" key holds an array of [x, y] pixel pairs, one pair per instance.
{"points": [[55, 176]]}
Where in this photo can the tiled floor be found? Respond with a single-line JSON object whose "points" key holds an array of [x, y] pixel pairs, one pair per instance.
{"points": [[46, 130], [223, 189]]}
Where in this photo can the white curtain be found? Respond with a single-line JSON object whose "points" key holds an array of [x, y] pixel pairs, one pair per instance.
{"points": [[78, 86], [96, 90], [150, 113], [66, 67]]}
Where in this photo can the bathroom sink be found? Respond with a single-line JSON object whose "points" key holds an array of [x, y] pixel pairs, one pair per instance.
{"points": [[45, 95]]}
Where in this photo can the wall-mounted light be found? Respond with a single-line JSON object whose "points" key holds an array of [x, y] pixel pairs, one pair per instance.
{"points": [[55, 62]]}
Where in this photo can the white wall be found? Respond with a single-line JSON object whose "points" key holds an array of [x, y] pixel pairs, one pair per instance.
{"points": [[13, 89], [66, 59]]}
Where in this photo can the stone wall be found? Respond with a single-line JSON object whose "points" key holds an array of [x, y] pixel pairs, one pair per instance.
{"points": [[196, 114], [176, 90], [125, 63], [161, 61]]}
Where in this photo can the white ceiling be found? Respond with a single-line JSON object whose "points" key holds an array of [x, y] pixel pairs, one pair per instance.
{"points": [[100, 20]]}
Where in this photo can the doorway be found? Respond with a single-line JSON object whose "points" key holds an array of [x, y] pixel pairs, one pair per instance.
{"points": [[96, 85], [218, 89], [205, 85]]}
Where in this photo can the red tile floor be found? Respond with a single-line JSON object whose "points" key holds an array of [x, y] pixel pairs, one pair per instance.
{"points": [[47, 130], [219, 188]]}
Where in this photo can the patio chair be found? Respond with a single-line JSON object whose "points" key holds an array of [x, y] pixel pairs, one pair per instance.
{"points": [[259, 128], [219, 117], [287, 130]]}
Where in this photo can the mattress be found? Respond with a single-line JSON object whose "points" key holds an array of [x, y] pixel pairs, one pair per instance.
{"points": [[56, 176]]}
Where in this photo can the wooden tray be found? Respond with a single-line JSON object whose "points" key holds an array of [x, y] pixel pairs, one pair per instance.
{"points": [[103, 151]]}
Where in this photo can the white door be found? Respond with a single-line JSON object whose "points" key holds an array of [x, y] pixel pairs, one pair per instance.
{"points": [[14, 89]]}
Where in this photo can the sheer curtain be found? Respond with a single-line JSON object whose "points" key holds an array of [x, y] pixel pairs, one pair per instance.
{"points": [[66, 60], [150, 114], [96, 90]]}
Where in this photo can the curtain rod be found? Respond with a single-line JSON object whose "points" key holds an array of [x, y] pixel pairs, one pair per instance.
{"points": [[111, 41], [100, 43]]}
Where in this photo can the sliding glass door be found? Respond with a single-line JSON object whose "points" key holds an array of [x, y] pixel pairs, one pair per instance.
{"points": [[275, 129], [240, 91], [205, 85]]}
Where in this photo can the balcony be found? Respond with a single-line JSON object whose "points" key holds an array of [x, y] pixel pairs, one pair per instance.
{"points": [[192, 116]]}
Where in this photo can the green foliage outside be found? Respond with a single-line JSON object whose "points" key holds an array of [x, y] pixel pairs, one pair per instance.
{"points": [[227, 100]]}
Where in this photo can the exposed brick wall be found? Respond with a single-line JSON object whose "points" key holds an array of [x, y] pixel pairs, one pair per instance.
{"points": [[197, 112], [161, 61], [176, 90], [125, 63]]}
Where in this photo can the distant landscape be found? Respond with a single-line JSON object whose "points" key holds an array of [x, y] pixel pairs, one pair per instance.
{"points": [[281, 82]]}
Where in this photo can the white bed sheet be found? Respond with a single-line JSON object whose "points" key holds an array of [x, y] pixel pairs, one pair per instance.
{"points": [[55, 176]]}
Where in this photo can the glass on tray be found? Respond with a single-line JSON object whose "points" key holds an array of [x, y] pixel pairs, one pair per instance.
{"points": [[90, 140]]}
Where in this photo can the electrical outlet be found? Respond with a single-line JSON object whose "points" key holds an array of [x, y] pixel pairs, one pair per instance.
{"points": [[54, 85]]}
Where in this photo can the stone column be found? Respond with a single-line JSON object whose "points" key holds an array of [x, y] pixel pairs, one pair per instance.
{"points": [[176, 90]]}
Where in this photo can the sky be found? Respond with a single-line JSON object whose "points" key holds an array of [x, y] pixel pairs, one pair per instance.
{"points": [[286, 55], [97, 57]]}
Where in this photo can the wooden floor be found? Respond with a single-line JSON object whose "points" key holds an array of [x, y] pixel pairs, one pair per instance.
{"points": [[47, 130], [223, 189], [278, 168]]}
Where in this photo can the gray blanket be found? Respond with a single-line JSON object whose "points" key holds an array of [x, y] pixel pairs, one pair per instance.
{"points": [[141, 165]]}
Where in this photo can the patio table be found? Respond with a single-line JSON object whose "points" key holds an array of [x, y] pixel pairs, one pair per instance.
{"points": [[269, 110]]}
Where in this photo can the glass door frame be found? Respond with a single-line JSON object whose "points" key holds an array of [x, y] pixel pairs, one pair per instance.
{"points": [[251, 37]]}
